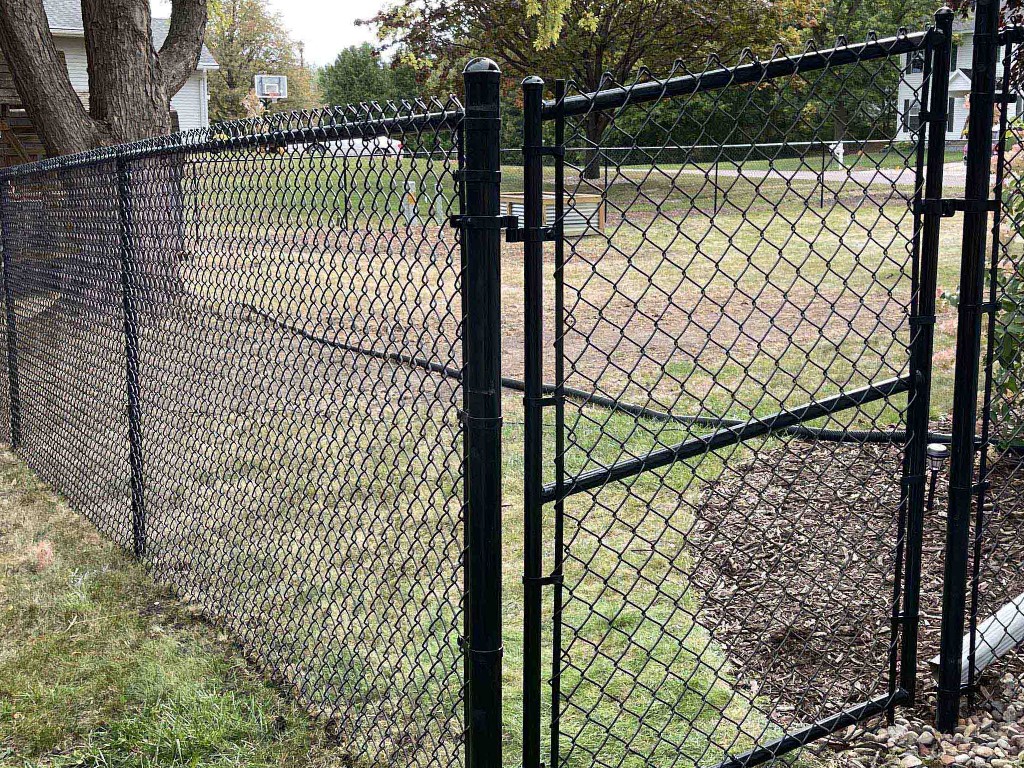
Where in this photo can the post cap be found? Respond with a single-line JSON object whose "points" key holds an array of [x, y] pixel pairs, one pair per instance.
{"points": [[481, 64], [533, 80], [944, 11]]}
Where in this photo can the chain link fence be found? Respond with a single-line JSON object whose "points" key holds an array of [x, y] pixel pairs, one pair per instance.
{"points": [[270, 359], [230, 353]]}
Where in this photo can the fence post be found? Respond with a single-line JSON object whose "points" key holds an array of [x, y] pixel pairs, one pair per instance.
{"points": [[923, 330], [968, 354], [481, 242], [129, 301], [533, 422], [14, 388]]}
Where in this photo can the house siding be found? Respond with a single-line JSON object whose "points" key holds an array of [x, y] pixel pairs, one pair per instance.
{"points": [[189, 102], [910, 87]]}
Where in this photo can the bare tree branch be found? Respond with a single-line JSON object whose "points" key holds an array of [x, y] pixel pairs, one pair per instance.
{"points": [[179, 55]]}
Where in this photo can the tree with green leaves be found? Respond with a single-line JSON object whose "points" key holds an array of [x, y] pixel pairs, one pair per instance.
{"points": [[357, 74], [578, 39], [248, 39]]}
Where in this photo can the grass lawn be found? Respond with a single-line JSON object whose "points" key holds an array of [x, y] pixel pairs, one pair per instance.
{"points": [[98, 667], [766, 303]]}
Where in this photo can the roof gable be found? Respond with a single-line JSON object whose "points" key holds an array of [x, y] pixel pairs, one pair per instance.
{"points": [[65, 16]]}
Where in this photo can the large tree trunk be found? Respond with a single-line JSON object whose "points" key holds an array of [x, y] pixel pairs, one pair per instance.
{"points": [[57, 114], [127, 92], [130, 88], [130, 82], [595, 125]]}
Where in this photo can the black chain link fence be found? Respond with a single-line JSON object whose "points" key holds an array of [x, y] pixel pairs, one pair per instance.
{"points": [[733, 542], [996, 599], [245, 355], [297, 452]]}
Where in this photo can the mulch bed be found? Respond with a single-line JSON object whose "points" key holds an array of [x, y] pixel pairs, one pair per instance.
{"points": [[800, 539]]}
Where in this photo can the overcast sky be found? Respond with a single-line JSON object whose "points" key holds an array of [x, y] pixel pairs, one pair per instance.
{"points": [[325, 26]]}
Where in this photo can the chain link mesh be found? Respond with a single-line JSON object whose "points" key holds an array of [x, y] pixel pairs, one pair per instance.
{"points": [[301, 472], [731, 573], [996, 602]]}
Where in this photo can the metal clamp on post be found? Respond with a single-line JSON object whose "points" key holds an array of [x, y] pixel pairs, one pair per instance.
{"points": [[539, 149], [544, 581], [947, 207], [476, 174], [531, 235], [462, 221]]}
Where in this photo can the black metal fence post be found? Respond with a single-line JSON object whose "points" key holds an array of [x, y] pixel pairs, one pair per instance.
{"points": [[129, 303], [533, 482], [14, 389], [923, 330], [481, 242], [968, 353]]}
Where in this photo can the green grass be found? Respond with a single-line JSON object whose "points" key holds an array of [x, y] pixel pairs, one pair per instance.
{"points": [[360, 495], [98, 667]]}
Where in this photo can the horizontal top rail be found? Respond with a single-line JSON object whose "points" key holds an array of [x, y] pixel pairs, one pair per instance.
{"points": [[217, 138], [751, 72]]}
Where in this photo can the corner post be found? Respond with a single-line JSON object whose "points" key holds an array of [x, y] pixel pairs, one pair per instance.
{"points": [[533, 260], [923, 330], [481, 295], [129, 302], [14, 388], [968, 354]]}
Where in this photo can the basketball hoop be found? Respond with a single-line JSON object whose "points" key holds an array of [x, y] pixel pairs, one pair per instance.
{"points": [[271, 87]]}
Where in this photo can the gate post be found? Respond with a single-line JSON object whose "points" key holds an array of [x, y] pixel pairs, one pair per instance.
{"points": [[533, 422], [131, 343], [14, 388], [968, 354], [480, 224], [923, 330]]}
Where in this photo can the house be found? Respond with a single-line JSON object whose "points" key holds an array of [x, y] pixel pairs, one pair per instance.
{"points": [[18, 142], [959, 86]]}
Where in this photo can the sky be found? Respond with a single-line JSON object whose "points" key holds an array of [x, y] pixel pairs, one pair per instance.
{"points": [[324, 26]]}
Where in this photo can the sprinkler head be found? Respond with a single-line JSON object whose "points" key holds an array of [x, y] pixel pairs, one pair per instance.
{"points": [[937, 455]]}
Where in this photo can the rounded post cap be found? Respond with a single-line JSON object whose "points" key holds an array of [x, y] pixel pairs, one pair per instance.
{"points": [[481, 64], [937, 450], [533, 80], [944, 11]]}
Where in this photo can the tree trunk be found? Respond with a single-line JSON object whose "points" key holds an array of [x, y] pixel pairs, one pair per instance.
{"points": [[130, 88], [130, 82], [594, 128], [57, 114], [127, 92]]}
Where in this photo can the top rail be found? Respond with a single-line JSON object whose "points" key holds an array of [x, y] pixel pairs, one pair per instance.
{"points": [[755, 71], [194, 143]]}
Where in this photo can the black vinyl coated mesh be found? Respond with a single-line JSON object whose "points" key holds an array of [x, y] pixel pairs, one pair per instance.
{"points": [[301, 482], [996, 600], [728, 582]]}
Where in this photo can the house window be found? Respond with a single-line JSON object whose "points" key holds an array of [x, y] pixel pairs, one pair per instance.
{"points": [[911, 115], [952, 58], [915, 62]]}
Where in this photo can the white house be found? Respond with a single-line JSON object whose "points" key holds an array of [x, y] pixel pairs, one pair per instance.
{"points": [[189, 105], [959, 86]]}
